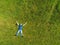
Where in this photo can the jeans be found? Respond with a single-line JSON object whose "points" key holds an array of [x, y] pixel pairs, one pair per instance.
{"points": [[19, 31]]}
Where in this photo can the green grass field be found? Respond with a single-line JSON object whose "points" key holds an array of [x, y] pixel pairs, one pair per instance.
{"points": [[43, 22]]}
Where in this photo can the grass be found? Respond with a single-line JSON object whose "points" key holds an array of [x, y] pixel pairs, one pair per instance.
{"points": [[43, 27]]}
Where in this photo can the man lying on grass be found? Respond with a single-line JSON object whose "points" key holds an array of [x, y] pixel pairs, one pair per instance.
{"points": [[20, 26]]}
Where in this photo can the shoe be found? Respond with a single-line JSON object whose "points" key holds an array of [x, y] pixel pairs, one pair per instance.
{"points": [[15, 35], [21, 36]]}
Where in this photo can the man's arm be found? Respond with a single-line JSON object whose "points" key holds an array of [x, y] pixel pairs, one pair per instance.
{"points": [[17, 23], [24, 24]]}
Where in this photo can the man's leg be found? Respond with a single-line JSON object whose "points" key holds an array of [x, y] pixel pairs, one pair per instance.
{"points": [[17, 33], [21, 33]]}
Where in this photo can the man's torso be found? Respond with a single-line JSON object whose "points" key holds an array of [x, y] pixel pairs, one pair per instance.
{"points": [[20, 27]]}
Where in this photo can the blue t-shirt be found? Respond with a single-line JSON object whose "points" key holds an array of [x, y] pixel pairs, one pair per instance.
{"points": [[20, 27]]}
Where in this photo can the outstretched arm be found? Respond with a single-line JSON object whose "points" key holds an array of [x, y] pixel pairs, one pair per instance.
{"points": [[24, 24], [17, 23]]}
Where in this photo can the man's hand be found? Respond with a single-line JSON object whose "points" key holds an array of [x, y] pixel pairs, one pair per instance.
{"points": [[24, 24], [17, 23]]}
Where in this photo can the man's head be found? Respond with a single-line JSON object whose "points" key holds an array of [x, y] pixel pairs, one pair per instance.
{"points": [[20, 24]]}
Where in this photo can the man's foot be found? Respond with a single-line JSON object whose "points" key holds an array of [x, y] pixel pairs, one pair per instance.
{"points": [[15, 35], [21, 36]]}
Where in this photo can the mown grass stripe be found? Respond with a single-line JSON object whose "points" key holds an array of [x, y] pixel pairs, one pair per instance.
{"points": [[51, 12]]}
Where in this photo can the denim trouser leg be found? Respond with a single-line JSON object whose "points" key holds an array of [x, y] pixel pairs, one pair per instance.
{"points": [[19, 31]]}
